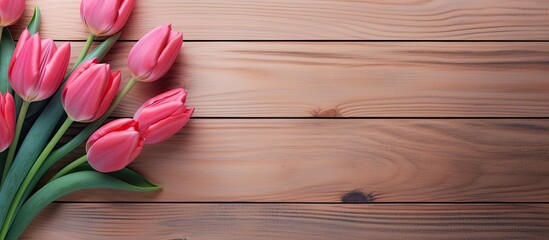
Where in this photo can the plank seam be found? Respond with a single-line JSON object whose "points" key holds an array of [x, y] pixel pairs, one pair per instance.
{"points": [[370, 117], [342, 40], [311, 203]]}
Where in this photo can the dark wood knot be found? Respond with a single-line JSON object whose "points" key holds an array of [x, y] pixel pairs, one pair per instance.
{"points": [[357, 197]]}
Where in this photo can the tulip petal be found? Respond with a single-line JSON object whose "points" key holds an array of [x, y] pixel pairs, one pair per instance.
{"points": [[6, 136], [81, 68], [99, 15], [109, 94], [25, 35], [47, 50], [11, 11], [54, 71], [86, 99], [24, 73], [115, 151], [166, 128], [159, 107], [89, 91], [122, 124], [7, 120], [152, 115], [168, 57], [178, 94], [124, 12], [144, 55]]}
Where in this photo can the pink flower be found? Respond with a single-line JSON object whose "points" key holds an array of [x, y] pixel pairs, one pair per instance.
{"points": [[89, 91], [7, 120], [105, 17], [37, 67], [153, 55], [114, 146], [11, 11], [163, 116]]}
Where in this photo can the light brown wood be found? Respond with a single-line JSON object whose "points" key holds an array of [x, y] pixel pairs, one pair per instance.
{"points": [[303, 79], [309, 165], [417, 160], [317, 19], [290, 221]]}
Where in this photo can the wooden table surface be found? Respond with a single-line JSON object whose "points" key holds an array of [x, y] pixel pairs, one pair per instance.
{"points": [[333, 119]]}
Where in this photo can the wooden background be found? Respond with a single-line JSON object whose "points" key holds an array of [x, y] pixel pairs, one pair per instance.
{"points": [[435, 113]]}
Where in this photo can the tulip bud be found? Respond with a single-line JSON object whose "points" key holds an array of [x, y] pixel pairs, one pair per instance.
{"points": [[89, 91], [114, 146], [153, 55], [7, 120], [163, 116], [37, 67], [10, 11], [105, 17]]}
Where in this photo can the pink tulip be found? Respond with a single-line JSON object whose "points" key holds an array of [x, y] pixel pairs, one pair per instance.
{"points": [[163, 116], [37, 67], [153, 55], [114, 145], [89, 91], [10, 11], [7, 120], [105, 17]]}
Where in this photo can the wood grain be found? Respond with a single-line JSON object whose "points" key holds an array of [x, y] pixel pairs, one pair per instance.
{"points": [[326, 161], [317, 19], [303, 79], [290, 221], [321, 160]]}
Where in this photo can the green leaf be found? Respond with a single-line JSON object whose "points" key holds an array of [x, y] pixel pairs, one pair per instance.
{"points": [[34, 24], [6, 51], [126, 174], [37, 138], [100, 51], [125, 180]]}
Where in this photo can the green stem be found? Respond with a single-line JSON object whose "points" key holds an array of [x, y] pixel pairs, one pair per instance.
{"points": [[85, 50], [70, 167], [13, 146], [30, 175]]}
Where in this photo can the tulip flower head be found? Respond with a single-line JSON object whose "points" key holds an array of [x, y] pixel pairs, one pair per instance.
{"points": [[114, 146], [105, 17], [7, 120], [163, 116], [154, 54], [10, 11], [89, 91], [37, 67]]}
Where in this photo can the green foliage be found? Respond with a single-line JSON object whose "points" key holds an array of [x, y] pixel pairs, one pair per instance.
{"points": [[37, 138], [125, 179]]}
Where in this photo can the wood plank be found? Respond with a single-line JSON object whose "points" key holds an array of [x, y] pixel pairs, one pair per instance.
{"points": [[290, 221], [262, 79], [322, 160], [317, 19]]}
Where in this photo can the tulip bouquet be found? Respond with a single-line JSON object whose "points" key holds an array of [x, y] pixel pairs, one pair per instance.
{"points": [[40, 99]]}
